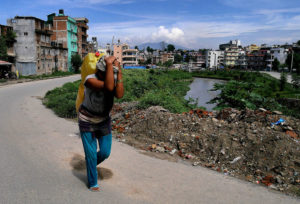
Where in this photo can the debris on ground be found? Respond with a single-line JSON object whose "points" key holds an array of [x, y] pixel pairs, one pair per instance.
{"points": [[258, 146]]}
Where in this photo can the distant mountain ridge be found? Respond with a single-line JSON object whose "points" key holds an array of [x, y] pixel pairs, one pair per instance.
{"points": [[159, 45]]}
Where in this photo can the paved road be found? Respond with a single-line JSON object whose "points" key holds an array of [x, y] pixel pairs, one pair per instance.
{"points": [[41, 157], [277, 76]]}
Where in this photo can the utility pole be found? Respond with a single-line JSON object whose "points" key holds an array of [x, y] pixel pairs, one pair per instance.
{"points": [[292, 60]]}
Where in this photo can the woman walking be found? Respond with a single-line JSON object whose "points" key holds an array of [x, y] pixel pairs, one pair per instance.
{"points": [[94, 114]]}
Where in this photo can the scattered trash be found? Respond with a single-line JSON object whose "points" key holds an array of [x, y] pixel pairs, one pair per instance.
{"points": [[292, 134], [235, 160], [173, 151], [239, 143], [196, 163], [279, 122]]}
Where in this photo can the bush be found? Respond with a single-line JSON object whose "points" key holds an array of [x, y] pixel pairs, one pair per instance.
{"points": [[62, 100], [149, 87], [76, 62]]}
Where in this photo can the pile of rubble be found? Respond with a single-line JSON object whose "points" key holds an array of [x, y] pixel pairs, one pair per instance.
{"points": [[259, 146]]}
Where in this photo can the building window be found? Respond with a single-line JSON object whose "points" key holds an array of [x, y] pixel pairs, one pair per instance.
{"points": [[25, 33]]}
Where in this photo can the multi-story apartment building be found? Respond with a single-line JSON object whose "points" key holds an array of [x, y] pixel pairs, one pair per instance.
{"points": [[125, 55], [82, 36], [242, 60], [35, 54], [214, 59], [257, 60], [166, 57], [93, 45], [198, 61], [65, 33], [231, 56]]}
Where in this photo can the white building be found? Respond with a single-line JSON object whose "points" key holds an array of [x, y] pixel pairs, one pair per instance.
{"points": [[214, 58], [279, 53]]}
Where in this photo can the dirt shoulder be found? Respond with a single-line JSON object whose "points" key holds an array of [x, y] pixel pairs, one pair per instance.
{"points": [[242, 144]]}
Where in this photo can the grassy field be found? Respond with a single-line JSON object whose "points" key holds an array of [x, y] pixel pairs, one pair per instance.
{"points": [[149, 87], [45, 76], [251, 90]]}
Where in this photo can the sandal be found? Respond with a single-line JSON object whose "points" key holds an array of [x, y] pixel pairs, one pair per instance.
{"points": [[94, 189]]}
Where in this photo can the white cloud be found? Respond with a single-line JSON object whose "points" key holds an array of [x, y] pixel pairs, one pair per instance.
{"points": [[164, 34]]}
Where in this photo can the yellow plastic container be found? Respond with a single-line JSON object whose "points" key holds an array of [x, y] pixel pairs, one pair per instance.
{"points": [[88, 67]]}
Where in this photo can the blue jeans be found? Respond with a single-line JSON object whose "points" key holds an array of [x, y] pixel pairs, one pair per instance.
{"points": [[92, 157]]}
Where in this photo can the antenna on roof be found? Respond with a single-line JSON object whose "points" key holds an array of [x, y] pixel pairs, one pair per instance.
{"points": [[111, 46]]}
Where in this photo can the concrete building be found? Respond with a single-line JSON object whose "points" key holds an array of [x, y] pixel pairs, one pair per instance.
{"points": [[252, 47], [93, 45], [125, 55], [166, 57], [257, 60], [279, 53], [82, 36], [232, 43], [242, 60], [214, 59], [231, 56], [198, 61], [231, 52], [35, 54], [65, 33]]}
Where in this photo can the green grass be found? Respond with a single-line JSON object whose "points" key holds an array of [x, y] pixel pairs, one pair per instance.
{"points": [[149, 87], [251, 90], [45, 76], [62, 100], [167, 89]]}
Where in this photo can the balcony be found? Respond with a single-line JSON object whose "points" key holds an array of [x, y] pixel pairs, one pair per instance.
{"points": [[129, 56], [130, 50], [44, 31], [129, 62]]}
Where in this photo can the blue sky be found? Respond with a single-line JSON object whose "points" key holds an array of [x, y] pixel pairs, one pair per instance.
{"points": [[190, 23]]}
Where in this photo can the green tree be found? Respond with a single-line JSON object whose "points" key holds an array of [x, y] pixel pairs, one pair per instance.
{"points": [[170, 48], [283, 81], [76, 62], [136, 47], [296, 81], [148, 61], [202, 51], [296, 62], [177, 58], [168, 64], [149, 49], [10, 37], [298, 43], [275, 64], [187, 58], [3, 48]]}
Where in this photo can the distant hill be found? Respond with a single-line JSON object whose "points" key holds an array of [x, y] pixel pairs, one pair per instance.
{"points": [[159, 45]]}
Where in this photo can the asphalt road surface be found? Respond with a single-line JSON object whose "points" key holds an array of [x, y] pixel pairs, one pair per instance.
{"points": [[41, 159], [277, 75]]}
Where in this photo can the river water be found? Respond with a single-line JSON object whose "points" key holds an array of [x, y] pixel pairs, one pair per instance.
{"points": [[199, 90]]}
